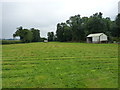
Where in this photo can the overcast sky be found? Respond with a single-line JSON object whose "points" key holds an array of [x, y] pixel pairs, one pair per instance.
{"points": [[45, 14]]}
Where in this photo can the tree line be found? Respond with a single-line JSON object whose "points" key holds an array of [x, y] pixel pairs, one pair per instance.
{"points": [[26, 35], [75, 29]]}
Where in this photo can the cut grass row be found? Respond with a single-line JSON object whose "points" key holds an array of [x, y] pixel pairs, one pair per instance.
{"points": [[60, 65], [73, 71]]}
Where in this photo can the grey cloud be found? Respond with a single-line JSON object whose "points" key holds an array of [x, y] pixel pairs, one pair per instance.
{"points": [[45, 14]]}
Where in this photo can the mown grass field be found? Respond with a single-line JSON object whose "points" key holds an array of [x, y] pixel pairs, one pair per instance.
{"points": [[60, 65]]}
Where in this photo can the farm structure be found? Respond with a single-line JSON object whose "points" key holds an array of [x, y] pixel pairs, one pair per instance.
{"points": [[45, 41], [97, 38]]}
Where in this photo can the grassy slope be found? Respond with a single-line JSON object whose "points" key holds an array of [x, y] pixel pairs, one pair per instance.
{"points": [[60, 65]]}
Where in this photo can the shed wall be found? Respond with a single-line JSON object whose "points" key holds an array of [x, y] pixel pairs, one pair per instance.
{"points": [[103, 37], [95, 39]]}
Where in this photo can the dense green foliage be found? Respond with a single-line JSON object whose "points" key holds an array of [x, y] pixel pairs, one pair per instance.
{"points": [[42, 39], [10, 41], [60, 65], [77, 27], [116, 27], [51, 36], [26, 35], [36, 35]]}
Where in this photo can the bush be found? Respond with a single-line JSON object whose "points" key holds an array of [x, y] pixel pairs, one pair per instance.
{"points": [[10, 41], [115, 39], [42, 39]]}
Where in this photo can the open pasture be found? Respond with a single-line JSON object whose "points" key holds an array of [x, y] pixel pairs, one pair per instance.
{"points": [[60, 65]]}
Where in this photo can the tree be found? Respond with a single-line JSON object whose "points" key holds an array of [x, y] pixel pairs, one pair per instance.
{"points": [[24, 34], [77, 28], [59, 32], [19, 32], [32, 35], [84, 25], [36, 35], [27, 36], [50, 36], [67, 34], [96, 24], [115, 30], [117, 21], [75, 22], [63, 32]]}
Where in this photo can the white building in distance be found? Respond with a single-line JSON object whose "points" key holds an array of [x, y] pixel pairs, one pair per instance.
{"points": [[97, 38]]}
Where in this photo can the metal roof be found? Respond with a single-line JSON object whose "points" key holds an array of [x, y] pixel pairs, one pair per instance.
{"points": [[94, 35]]}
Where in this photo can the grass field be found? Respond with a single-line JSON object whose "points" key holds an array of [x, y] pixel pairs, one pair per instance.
{"points": [[60, 65]]}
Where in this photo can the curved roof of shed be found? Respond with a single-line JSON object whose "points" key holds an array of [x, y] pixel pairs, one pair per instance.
{"points": [[94, 35]]}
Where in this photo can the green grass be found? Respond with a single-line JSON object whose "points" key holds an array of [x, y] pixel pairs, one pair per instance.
{"points": [[60, 65]]}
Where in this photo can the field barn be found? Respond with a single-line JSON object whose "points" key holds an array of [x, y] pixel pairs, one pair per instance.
{"points": [[97, 38]]}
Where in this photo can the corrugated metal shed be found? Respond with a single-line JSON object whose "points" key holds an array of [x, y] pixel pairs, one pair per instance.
{"points": [[97, 38], [94, 35]]}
